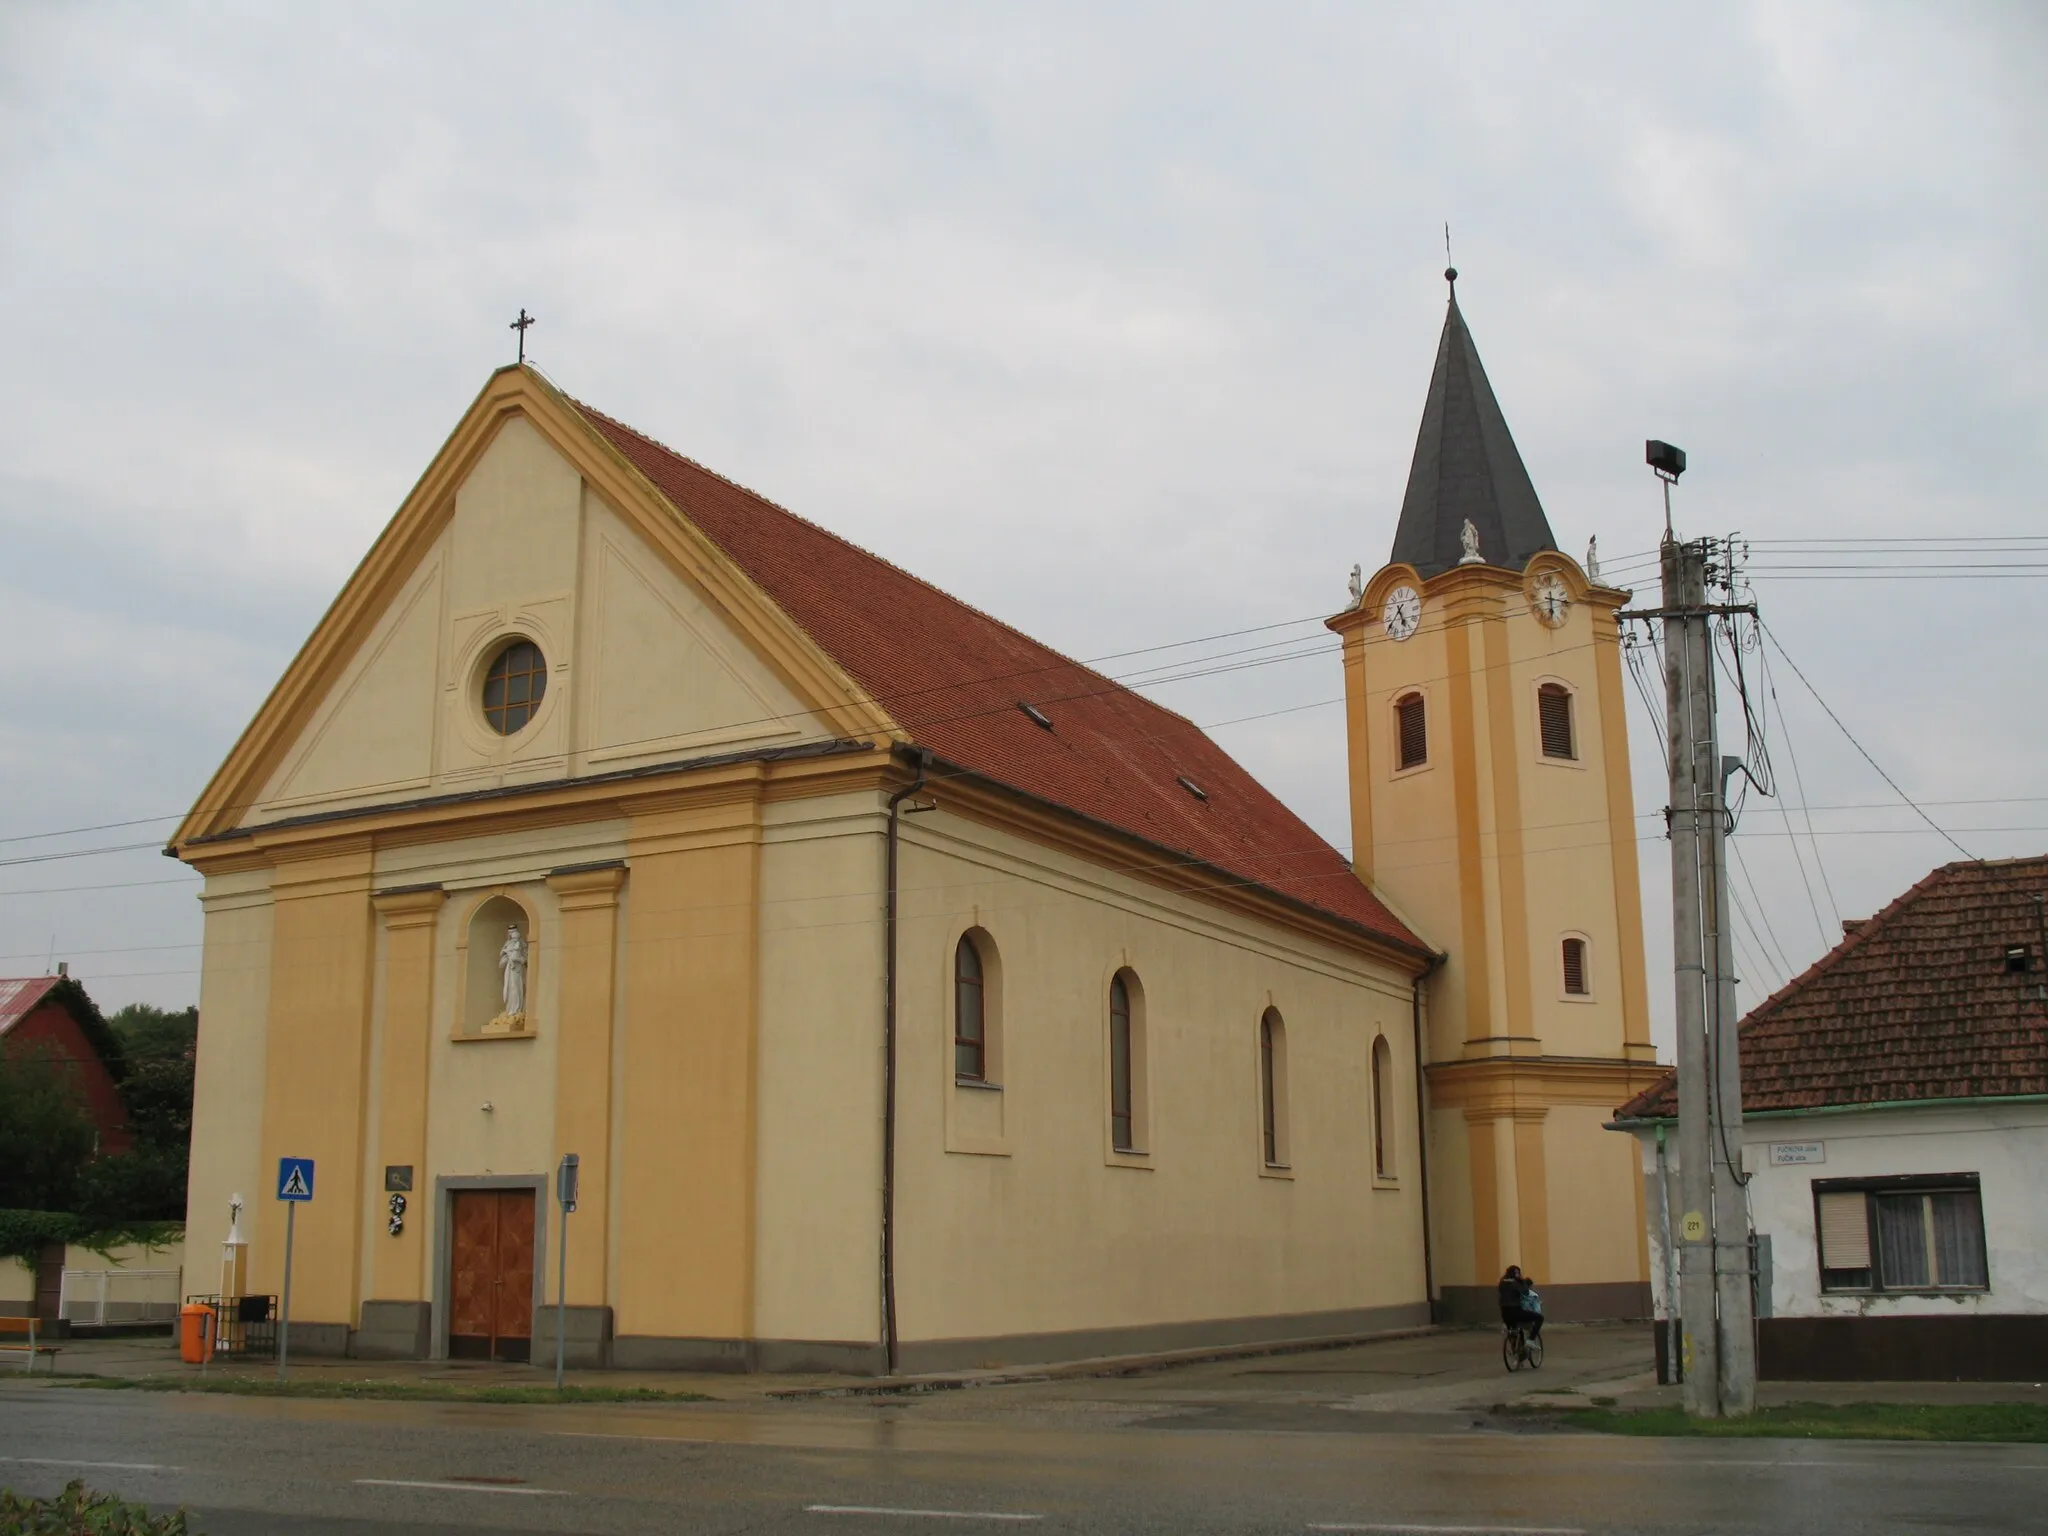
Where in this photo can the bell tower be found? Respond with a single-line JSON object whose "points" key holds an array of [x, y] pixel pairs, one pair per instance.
{"points": [[1490, 804]]}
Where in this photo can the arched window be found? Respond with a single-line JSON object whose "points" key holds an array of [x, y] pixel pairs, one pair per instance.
{"points": [[1382, 1109], [970, 1018], [1554, 717], [1273, 1087], [1413, 729], [1123, 1129], [1576, 983]]}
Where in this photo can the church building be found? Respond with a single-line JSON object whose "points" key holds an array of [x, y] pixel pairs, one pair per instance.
{"points": [[911, 996]]}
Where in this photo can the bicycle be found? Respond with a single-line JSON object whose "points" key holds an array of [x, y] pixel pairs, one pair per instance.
{"points": [[1520, 1347]]}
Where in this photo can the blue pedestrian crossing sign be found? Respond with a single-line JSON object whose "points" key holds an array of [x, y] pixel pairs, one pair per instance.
{"points": [[295, 1178]]}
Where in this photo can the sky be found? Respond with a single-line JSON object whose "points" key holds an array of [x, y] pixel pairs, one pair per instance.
{"points": [[1115, 320]]}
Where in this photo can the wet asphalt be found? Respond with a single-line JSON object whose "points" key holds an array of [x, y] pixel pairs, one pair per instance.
{"points": [[1396, 1440]]}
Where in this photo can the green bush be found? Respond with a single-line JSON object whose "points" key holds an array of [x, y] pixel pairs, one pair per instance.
{"points": [[46, 1133], [23, 1233], [74, 1512]]}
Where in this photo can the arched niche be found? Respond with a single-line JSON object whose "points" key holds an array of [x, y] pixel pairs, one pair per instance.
{"points": [[480, 1010]]}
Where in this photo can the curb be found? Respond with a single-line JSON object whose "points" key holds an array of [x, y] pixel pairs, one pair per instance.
{"points": [[1101, 1365]]}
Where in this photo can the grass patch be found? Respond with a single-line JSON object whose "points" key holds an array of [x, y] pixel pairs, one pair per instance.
{"points": [[2021, 1422], [386, 1390], [97, 1514]]}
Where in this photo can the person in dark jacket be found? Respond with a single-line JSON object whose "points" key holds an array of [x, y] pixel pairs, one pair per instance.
{"points": [[1516, 1290]]}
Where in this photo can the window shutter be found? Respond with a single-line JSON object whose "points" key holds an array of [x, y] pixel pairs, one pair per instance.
{"points": [[1414, 731], [1575, 967], [1554, 712], [1844, 1230]]}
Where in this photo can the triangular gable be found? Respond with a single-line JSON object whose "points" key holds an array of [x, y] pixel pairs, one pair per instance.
{"points": [[705, 631]]}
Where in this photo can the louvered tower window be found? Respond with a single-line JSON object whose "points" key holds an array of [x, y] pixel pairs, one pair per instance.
{"points": [[1554, 716], [1414, 731], [1575, 968]]}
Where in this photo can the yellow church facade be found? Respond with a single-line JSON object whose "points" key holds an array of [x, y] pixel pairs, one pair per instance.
{"points": [[911, 996]]}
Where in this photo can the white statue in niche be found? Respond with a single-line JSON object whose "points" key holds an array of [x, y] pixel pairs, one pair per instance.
{"points": [[512, 967]]}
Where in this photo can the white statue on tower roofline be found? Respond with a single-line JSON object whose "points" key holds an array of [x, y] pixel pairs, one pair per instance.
{"points": [[1593, 559], [1468, 536], [1357, 585]]}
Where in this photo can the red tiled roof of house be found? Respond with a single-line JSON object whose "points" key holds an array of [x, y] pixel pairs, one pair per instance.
{"points": [[953, 678], [1915, 1003]]}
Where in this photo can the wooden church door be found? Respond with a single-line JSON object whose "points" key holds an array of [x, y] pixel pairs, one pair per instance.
{"points": [[490, 1289]]}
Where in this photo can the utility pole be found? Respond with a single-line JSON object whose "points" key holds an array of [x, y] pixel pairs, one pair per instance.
{"points": [[1686, 711], [1715, 1303]]}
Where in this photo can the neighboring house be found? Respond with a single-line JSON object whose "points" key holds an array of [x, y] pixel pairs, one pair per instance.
{"points": [[911, 994], [52, 1017], [1895, 1101]]}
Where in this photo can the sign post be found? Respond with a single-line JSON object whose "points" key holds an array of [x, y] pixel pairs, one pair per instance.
{"points": [[565, 1193], [295, 1188]]}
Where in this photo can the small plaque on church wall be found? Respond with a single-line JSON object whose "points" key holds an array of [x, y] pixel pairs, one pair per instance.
{"points": [[397, 1178]]}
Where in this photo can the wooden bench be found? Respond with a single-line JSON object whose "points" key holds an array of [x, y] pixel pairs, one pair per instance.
{"points": [[26, 1327]]}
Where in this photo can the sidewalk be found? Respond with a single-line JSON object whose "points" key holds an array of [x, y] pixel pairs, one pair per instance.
{"points": [[1432, 1375]]}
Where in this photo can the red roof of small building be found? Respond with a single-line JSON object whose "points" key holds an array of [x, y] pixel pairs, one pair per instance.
{"points": [[954, 679], [19, 994], [1914, 1004]]}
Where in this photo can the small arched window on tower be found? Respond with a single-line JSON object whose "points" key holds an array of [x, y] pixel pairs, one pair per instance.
{"points": [[1574, 957], [1412, 725], [1554, 717]]}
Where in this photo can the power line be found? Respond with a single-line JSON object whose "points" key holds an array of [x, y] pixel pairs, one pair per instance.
{"points": [[1847, 733]]}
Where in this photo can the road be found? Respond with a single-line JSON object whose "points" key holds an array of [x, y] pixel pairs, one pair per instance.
{"points": [[861, 1467]]}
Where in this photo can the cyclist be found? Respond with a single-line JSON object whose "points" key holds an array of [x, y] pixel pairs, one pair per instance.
{"points": [[1519, 1306]]}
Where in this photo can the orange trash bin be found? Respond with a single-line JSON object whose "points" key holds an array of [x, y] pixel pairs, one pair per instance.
{"points": [[195, 1333]]}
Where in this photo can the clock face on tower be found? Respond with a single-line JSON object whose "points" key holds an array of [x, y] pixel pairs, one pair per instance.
{"points": [[1403, 611], [1550, 600]]}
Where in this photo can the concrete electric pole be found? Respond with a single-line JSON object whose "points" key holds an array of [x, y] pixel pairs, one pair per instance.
{"points": [[1715, 1298]]}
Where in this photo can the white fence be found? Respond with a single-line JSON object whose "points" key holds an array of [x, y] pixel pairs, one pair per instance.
{"points": [[94, 1298]]}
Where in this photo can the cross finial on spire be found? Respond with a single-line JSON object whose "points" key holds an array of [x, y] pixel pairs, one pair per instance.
{"points": [[1450, 272], [520, 326]]}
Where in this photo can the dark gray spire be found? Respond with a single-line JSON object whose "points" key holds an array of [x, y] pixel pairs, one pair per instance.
{"points": [[1466, 466]]}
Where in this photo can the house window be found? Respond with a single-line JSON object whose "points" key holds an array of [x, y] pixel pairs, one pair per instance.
{"points": [[1273, 1087], [514, 687], [970, 1015], [1124, 1065], [1903, 1234], [1382, 1109], [1575, 984], [1413, 731], [1554, 716]]}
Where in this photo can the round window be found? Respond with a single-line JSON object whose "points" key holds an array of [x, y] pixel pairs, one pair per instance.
{"points": [[514, 687]]}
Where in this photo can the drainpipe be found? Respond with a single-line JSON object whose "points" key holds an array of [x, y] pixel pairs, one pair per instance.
{"points": [[1422, 1135], [923, 759]]}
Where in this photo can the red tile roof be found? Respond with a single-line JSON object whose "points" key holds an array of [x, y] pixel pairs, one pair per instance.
{"points": [[953, 678], [20, 994], [1914, 1004]]}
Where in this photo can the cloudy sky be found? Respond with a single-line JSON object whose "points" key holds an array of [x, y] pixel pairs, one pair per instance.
{"points": [[1113, 319]]}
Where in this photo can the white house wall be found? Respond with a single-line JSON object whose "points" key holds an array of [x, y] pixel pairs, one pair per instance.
{"points": [[2006, 1147]]}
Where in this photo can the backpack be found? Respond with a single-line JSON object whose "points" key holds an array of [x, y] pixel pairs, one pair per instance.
{"points": [[1532, 1301]]}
